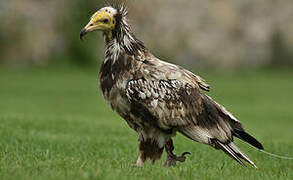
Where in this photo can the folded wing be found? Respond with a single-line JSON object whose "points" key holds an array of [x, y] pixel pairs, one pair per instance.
{"points": [[179, 104]]}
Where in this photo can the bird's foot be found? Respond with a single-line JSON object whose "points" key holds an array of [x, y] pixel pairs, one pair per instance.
{"points": [[171, 157]]}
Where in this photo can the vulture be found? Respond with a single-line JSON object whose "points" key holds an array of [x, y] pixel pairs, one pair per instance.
{"points": [[157, 99]]}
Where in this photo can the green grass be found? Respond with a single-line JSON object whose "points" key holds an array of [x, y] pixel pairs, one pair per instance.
{"points": [[54, 124]]}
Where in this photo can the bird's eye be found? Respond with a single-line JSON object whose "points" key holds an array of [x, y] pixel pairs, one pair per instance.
{"points": [[105, 20]]}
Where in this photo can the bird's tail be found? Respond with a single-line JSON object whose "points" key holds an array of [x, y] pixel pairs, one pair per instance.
{"points": [[247, 138], [233, 151], [254, 143]]}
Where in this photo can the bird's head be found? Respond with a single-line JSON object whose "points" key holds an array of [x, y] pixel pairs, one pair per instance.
{"points": [[104, 20]]}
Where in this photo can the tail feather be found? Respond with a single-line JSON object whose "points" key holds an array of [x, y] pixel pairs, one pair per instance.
{"points": [[247, 138], [228, 151], [241, 154], [233, 151]]}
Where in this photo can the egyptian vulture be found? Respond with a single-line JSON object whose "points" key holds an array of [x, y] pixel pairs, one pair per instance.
{"points": [[158, 99]]}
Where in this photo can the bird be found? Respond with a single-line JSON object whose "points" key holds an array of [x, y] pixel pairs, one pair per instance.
{"points": [[158, 99]]}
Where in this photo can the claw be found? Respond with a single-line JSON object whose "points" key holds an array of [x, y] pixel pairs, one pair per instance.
{"points": [[171, 157], [182, 158], [185, 153]]}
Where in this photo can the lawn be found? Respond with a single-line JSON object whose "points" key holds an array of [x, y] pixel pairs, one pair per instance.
{"points": [[54, 124]]}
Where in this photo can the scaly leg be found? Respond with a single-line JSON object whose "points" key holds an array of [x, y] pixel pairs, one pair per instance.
{"points": [[171, 157]]}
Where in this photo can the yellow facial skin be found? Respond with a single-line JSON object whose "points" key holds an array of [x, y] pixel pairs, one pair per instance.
{"points": [[102, 21]]}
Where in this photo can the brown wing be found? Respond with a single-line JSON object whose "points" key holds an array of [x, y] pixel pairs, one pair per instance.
{"points": [[169, 104]]}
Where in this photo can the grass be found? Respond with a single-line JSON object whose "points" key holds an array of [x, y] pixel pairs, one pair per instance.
{"points": [[54, 124]]}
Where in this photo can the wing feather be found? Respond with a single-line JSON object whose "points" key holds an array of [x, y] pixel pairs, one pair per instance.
{"points": [[178, 104], [169, 97]]}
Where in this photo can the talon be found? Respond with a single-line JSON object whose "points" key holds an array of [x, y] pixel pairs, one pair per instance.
{"points": [[171, 157], [185, 153], [182, 158]]}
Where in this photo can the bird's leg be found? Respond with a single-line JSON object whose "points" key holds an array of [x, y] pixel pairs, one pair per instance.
{"points": [[141, 157], [140, 160], [148, 149], [171, 157]]}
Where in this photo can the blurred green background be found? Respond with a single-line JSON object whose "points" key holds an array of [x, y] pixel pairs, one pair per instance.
{"points": [[200, 33], [54, 123]]}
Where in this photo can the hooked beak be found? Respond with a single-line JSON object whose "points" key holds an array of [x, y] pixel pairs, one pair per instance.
{"points": [[83, 32], [88, 28], [101, 20]]}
